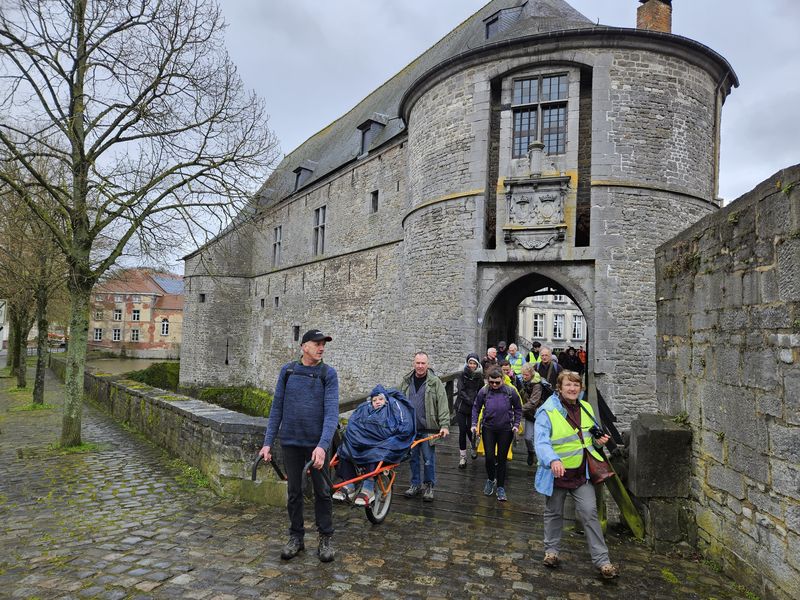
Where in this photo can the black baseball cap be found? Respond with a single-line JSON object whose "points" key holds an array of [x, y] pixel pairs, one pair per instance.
{"points": [[315, 335]]}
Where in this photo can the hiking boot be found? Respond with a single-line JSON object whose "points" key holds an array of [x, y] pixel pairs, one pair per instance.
{"points": [[609, 571], [292, 548], [550, 560], [474, 452], [364, 498], [531, 458], [412, 491], [344, 493], [501, 494], [488, 489], [428, 495], [462, 462], [325, 549]]}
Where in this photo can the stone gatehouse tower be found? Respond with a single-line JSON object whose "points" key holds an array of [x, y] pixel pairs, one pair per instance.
{"points": [[528, 148]]}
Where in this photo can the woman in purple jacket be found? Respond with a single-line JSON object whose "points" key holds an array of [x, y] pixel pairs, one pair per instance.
{"points": [[502, 411]]}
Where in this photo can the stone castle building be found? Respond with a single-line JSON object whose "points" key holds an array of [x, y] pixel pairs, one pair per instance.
{"points": [[529, 148]]}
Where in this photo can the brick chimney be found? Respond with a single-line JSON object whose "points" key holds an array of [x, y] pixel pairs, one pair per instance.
{"points": [[655, 15]]}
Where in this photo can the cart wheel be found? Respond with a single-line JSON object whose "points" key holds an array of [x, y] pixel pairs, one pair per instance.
{"points": [[377, 511]]}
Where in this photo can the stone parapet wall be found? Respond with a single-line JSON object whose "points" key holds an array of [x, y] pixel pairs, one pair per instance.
{"points": [[728, 358], [220, 442]]}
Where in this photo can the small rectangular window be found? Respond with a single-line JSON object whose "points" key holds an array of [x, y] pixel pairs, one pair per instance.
{"points": [[277, 236], [558, 327], [538, 325], [492, 27], [319, 230], [202, 298], [116, 335], [135, 315], [577, 327], [373, 205], [164, 327], [118, 314], [559, 298], [136, 298], [98, 315], [263, 303], [277, 301], [134, 335], [98, 334], [117, 298], [296, 333]]}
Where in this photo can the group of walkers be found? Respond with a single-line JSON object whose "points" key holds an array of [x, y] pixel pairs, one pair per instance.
{"points": [[500, 396]]}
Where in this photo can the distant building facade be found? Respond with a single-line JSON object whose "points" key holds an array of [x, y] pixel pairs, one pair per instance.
{"points": [[553, 320], [528, 149], [4, 325], [138, 313]]}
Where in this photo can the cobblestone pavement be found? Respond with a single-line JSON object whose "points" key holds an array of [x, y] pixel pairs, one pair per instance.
{"points": [[117, 522]]}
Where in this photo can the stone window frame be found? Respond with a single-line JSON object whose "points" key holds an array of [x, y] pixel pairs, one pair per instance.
{"points": [[578, 327], [559, 298], [116, 335], [136, 315], [164, 326], [277, 238], [521, 105], [559, 320], [374, 201], [98, 334], [98, 315], [118, 314], [537, 325], [135, 337], [320, 222]]}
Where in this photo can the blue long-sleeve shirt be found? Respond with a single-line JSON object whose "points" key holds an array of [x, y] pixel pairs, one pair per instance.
{"points": [[305, 411]]}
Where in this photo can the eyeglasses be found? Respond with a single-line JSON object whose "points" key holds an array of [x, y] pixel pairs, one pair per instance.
{"points": [[495, 382]]}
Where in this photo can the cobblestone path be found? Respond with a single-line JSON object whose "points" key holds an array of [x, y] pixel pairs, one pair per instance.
{"points": [[119, 522]]}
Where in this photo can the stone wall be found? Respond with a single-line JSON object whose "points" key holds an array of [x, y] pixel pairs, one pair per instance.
{"points": [[220, 442], [728, 347]]}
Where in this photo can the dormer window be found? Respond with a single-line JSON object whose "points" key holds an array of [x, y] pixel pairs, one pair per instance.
{"points": [[492, 26], [370, 130], [303, 173]]}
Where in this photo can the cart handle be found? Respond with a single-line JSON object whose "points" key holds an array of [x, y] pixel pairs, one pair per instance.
{"points": [[275, 466]]}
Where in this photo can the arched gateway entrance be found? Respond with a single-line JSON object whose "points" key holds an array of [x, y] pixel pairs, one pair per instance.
{"points": [[508, 286]]}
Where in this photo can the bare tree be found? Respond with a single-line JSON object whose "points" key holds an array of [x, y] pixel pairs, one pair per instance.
{"points": [[138, 100]]}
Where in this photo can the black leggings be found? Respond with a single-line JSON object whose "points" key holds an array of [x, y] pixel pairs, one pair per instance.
{"points": [[501, 439], [464, 430]]}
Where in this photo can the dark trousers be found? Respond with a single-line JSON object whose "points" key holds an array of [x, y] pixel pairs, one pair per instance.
{"points": [[464, 430], [501, 439], [294, 459]]}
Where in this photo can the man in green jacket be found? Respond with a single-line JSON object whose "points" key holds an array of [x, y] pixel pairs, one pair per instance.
{"points": [[427, 394]]}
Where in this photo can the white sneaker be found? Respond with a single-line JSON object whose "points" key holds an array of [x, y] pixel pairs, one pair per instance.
{"points": [[364, 498], [343, 493]]}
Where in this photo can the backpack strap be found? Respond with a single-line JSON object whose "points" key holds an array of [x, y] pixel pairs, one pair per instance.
{"points": [[291, 371]]}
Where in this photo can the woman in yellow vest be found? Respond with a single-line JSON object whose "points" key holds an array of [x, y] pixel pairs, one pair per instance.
{"points": [[562, 439]]}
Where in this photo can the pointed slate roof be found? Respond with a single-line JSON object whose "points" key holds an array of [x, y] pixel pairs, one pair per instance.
{"points": [[339, 143]]}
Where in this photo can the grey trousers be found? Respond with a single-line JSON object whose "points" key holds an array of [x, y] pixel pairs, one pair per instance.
{"points": [[586, 507]]}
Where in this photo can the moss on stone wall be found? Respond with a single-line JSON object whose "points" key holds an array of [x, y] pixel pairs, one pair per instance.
{"points": [[248, 400], [161, 375]]}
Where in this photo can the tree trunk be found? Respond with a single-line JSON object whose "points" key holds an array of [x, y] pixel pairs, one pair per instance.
{"points": [[41, 346], [22, 344], [76, 362], [13, 349]]}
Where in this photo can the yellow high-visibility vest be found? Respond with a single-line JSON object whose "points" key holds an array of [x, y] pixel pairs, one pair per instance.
{"points": [[535, 360], [516, 363], [565, 439]]}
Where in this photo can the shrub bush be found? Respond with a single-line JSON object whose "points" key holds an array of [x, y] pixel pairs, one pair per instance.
{"points": [[248, 400], [161, 375]]}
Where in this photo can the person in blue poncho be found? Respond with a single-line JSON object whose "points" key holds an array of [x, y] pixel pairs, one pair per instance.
{"points": [[381, 429]]}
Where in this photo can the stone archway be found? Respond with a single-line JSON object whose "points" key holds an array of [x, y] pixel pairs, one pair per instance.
{"points": [[508, 285]]}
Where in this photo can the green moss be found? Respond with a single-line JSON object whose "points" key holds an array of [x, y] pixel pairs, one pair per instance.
{"points": [[249, 400], [687, 263], [746, 593], [161, 375], [81, 449], [714, 566], [682, 418], [669, 576], [188, 476], [733, 218], [31, 406]]}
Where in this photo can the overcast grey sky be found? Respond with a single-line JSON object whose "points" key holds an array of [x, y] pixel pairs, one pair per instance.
{"points": [[313, 60]]}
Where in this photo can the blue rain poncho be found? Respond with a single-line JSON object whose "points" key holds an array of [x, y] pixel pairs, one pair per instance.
{"points": [[384, 434]]}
